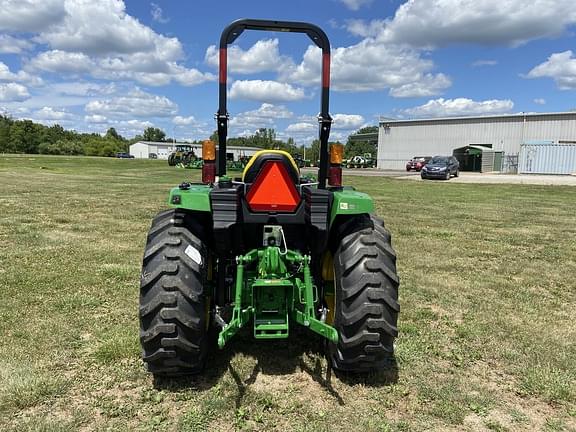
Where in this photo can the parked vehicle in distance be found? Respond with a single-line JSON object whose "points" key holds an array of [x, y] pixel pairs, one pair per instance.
{"points": [[442, 167], [417, 163], [124, 155], [152, 156]]}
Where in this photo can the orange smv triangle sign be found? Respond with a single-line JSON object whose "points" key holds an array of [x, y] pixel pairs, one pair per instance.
{"points": [[273, 190]]}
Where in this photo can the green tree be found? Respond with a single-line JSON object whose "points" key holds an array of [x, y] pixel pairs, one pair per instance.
{"points": [[154, 134], [111, 134], [5, 143], [356, 147], [25, 136], [214, 137], [313, 153]]}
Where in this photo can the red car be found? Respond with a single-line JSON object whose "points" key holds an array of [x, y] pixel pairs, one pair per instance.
{"points": [[417, 163]]}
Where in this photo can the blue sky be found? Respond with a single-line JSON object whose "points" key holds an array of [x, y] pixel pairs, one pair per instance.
{"points": [[94, 64]]}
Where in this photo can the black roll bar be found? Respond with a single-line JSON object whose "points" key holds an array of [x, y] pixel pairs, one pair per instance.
{"points": [[229, 35]]}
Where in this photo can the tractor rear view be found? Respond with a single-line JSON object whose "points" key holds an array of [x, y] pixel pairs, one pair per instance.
{"points": [[270, 250]]}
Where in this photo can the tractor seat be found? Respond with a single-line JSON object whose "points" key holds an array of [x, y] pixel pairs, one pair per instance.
{"points": [[260, 158]]}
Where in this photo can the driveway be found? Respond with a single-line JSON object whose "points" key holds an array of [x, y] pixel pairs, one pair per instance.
{"points": [[465, 177]]}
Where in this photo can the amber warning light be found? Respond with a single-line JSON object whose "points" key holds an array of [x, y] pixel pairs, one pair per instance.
{"points": [[273, 190], [335, 168], [209, 162]]}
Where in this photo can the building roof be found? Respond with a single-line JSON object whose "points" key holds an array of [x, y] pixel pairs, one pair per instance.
{"points": [[569, 114], [169, 144]]}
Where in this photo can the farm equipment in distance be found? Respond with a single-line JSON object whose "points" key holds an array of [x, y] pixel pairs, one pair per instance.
{"points": [[183, 154], [361, 161], [270, 250]]}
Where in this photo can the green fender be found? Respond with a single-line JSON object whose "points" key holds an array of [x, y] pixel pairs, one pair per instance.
{"points": [[350, 202], [196, 198]]}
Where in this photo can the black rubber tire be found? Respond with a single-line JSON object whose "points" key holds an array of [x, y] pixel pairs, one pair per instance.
{"points": [[366, 303], [171, 160], [448, 175], [173, 301], [457, 173], [422, 176]]}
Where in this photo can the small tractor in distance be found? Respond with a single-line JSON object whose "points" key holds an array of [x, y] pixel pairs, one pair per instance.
{"points": [[360, 161], [270, 250], [184, 154]]}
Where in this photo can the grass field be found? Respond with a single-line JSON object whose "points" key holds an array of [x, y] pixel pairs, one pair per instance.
{"points": [[487, 327]]}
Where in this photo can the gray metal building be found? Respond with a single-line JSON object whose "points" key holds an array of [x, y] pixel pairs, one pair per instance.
{"points": [[400, 140]]}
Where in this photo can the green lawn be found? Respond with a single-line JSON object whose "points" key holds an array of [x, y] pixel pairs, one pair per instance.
{"points": [[487, 327]]}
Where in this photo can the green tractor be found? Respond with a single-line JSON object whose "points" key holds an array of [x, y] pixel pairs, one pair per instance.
{"points": [[183, 154], [361, 161], [270, 251]]}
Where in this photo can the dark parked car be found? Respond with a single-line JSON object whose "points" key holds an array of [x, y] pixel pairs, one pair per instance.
{"points": [[442, 167], [417, 163], [152, 156], [123, 155]]}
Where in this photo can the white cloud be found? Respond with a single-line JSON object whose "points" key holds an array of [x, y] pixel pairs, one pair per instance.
{"points": [[267, 110], [261, 57], [132, 127], [479, 63], [48, 113], [139, 67], [540, 101], [425, 23], [264, 116], [78, 88], [13, 92], [30, 15], [302, 128], [183, 121], [307, 127], [11, 45], [460, 107], [561, 67], [190, 77], [427, 85], [347, 121], [136, 103], [371, 65], [95, 119], [355, 4], [61, 62], [102, 27], [361, 28], [20, 76], [265, 91], [157, 14], [100, 39], [126, 128]]}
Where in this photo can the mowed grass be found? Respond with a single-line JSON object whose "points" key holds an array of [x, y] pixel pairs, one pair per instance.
{"points": [[487, 327]]}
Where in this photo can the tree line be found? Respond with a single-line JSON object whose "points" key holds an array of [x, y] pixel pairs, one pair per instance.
{"points": [[26, 136]]}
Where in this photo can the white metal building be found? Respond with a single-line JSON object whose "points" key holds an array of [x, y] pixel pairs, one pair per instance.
{"points": [[143, 149], [400, 140]]}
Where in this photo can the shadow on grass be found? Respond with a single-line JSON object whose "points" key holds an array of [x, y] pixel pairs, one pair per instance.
{"points": [[277, 357]]}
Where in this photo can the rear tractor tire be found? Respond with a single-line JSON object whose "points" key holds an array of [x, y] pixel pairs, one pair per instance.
{"points": [[366, 303], [174, 304]]}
